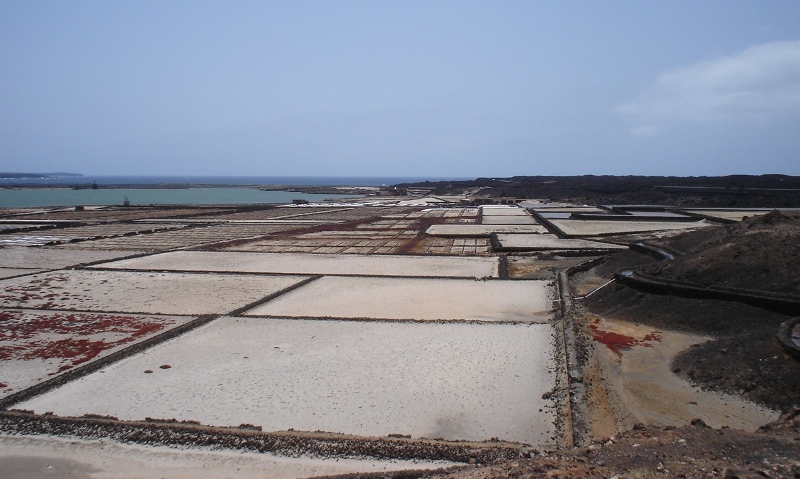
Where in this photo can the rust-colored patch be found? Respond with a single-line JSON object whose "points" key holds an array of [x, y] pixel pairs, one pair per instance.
{"points": [[416, 244], [48, 288], [70, 339], [618, 343]]}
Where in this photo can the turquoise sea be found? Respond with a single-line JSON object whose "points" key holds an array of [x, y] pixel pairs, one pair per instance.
{"points": [[173, 190], [41, 197]]}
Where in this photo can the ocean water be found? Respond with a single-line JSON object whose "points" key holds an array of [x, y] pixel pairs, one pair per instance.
{"points": [[195, 190], [222, 180], [43, 197]]}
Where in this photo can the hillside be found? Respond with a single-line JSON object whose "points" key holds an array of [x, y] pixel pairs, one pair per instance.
{"points": [[699, 191], [761, 253]]}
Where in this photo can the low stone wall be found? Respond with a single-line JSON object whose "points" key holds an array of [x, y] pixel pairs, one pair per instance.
{"points": [[779, 303], [656, 252], [289, 443], [785, 337]]}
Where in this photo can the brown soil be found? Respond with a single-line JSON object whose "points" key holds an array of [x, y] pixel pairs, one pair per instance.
{"points": [[695, 451], [744, 356], [760, 253]]}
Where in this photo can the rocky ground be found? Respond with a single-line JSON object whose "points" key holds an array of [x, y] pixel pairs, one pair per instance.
{"points": [[695, 451], [736, 191], [761, 253]]}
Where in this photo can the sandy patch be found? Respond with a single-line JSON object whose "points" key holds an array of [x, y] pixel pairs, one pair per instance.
{"points": [[348, 264], [134, 292], [417, 299], [637, 362], [36, 345], [23, 457], [540, 266], [455, 381]]}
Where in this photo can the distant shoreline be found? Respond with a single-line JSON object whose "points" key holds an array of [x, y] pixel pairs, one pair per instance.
{"points": [[305, 189], [148, 195], [271, 182]]}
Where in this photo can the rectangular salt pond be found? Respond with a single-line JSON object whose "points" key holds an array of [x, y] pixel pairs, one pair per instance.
{"points": [[298, 263], [729, 214], [503, 211], [52, 258], [572, 227], [140, 292], [415, 299], [508, 220], [481, 230], [516, 242], [451, 381], [38, 345]]}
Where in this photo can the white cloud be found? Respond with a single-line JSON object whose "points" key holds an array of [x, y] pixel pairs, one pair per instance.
{"points": [[759, 82]]}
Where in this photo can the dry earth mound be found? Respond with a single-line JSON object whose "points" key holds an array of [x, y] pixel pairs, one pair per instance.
{"points": [[744, 356], [761, 253]]}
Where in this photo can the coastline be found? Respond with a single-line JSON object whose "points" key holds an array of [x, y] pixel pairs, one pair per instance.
{"points": [[149, 195]]}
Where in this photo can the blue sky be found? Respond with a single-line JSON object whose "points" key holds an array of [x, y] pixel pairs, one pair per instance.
{"points": [[407, 88]]}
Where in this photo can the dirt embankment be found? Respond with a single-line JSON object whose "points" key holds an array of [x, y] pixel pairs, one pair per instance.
{"points": [[761, 254], [695, 451], [744, 356]]}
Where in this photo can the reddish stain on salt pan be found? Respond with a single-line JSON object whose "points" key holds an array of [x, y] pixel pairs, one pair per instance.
{"points": [[618, 343], [72, 338], [38, 289]]}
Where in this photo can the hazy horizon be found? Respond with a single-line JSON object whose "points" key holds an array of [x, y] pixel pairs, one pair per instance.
{"points": [[396, 89]]}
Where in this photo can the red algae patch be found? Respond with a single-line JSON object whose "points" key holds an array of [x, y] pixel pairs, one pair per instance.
{"points": [[35, 345], [619, 342]]}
